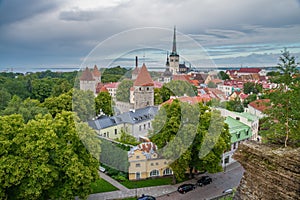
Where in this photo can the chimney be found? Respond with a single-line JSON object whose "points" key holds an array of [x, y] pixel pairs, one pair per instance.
{"points": [[136, 61]]}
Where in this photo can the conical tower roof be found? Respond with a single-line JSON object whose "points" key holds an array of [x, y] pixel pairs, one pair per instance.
{"points": [[96, 72], [87, 75], [143, 78]]}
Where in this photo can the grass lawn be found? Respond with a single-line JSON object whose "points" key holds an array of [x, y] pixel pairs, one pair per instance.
{"points": [[101, 185], [147, 182]]}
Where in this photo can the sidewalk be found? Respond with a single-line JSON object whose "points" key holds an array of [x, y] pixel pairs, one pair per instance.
{"points": [[153, 191]]}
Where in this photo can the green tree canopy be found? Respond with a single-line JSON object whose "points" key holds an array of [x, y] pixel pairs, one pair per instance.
{"points": [[235, 105], [126, 138], [104, 102], [190, 136], [223, 75], [177, 88], [123, 91], [45, 158], [28, 108], [5, 97], [252, 88], [282, 123]]}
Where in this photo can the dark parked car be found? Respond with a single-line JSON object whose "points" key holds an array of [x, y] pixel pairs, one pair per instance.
{"points": [[146, 197], [185, 188], [204, 180]]}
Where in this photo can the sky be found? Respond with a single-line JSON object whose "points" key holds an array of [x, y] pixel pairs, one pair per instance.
{"points": [[68, 34]]}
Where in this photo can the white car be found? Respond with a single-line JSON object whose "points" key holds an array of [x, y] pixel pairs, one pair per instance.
{"points": [[228, 191], [101, 169]]}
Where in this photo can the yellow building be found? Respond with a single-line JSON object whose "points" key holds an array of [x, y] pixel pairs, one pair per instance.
{"points": [[144, 162]]}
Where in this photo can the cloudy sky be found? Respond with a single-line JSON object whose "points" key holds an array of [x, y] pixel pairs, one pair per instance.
{"points": [[71, 33]]}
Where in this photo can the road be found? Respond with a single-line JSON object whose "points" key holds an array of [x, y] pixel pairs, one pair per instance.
{"points": [[221, 181]]}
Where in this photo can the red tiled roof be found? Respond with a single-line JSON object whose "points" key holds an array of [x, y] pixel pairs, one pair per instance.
{"points": [[183, 77], [103, 89], [147, 147], [86, 75], [143, 78], [249, 70], [260, 104], [191, 100], [112, 85], [96, 72]]}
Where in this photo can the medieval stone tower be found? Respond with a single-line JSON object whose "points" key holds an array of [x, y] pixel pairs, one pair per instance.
{"points": [[174, 57], [143, 89], [90, 79]]}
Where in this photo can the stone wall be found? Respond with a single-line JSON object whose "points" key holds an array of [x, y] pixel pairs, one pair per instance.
{"points": [[270, 172]]}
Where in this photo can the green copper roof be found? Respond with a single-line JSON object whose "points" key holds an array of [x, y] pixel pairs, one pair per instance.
{"points": [[238, 130], [248, 116]]}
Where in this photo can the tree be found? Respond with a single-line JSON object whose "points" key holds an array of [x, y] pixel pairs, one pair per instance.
{"points": [[190, 137], [223, 75], [45, 158], [58, 104], [177, 88], [42, 88], [104, 102], [61, 86], [287, 67], [252, 88], [126, 138], [123, 90], [211, 85], [250, 98], [157, 96], [84, 104], [4, 98], [235, 105], [282, 123], [28, 108]]}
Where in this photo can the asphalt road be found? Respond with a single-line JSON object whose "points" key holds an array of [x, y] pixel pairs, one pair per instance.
{"points": [[220, 182]]}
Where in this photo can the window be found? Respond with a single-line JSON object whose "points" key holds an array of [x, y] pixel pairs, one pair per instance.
{"points": [[167, 171], [137, 165], [137, 157], [156, 163], [144, 126], [152, 164], [226, 160], [138, 175], [149, 125], [116, 131], [104, 134], [108, 134], [140, 127], [234, 146], [238, 135], [237, 118], [154, 173], [147, 89]]}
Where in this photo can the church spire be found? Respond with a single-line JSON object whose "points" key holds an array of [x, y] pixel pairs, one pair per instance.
{"points": [[174, 42], [167, 63]]}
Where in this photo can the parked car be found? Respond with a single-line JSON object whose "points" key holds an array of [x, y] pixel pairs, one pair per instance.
{"points": [[228, 191], [101, 169], [185, 188], [204, 180], [146, 197]]}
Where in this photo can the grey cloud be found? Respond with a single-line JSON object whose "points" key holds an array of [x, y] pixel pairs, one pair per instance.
{"points": [[14, 10]]}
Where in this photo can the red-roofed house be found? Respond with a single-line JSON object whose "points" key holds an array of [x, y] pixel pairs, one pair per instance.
{"points": [[144, 162], [257, 107], [190, 100], [112, 88]]}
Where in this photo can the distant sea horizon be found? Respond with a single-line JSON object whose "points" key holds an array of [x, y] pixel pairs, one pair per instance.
{"points": [[25, 70]]}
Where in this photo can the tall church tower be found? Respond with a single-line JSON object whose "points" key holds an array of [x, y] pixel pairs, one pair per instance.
{"points": [[143, 89], [174, 57]]}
